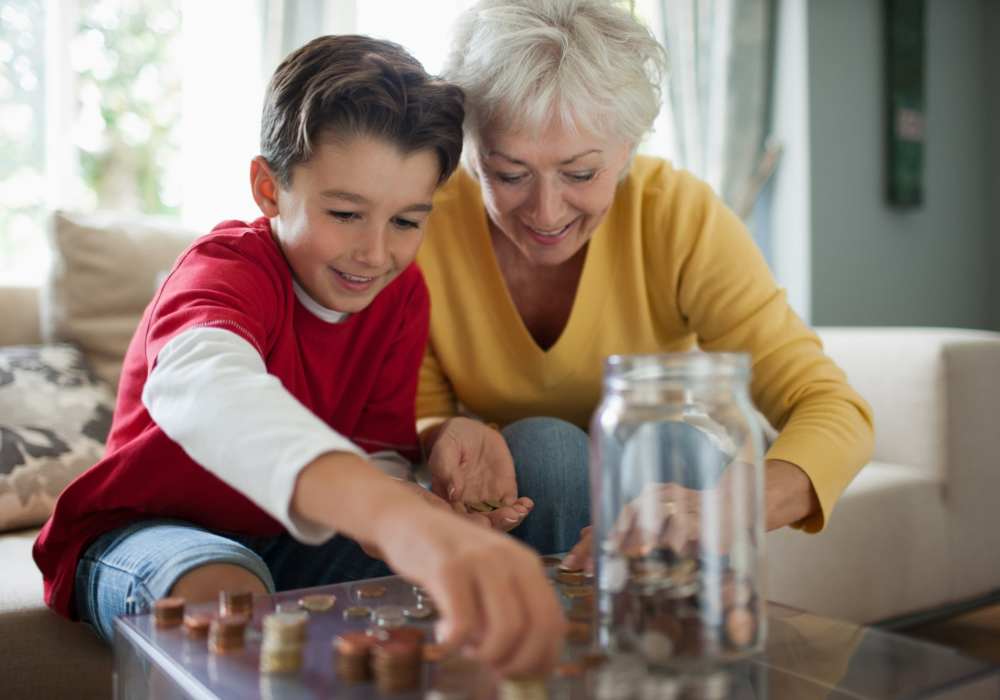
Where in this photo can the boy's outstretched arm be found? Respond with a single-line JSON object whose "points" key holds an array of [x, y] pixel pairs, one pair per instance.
{"points": [[505, 613]]}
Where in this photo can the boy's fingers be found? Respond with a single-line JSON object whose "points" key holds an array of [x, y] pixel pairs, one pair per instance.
{"points": [[536, 653], [458, 608], [503, 618]]}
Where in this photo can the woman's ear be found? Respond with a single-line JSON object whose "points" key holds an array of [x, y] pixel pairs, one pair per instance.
{"points": [[264, 187]]}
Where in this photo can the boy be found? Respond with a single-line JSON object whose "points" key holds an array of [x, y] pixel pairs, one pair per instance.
{"points": [[274, 355]]}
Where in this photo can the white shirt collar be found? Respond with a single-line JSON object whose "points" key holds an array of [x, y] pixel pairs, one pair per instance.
{"points": [[317, 309]]}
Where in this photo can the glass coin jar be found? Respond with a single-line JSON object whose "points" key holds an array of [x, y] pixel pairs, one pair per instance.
{"points": [[677, 494]]}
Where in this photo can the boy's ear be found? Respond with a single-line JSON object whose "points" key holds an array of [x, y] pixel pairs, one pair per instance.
{"points": [[264, 186]]}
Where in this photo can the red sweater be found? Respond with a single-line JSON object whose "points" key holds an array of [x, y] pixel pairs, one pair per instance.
{"points": [[359, 376]]}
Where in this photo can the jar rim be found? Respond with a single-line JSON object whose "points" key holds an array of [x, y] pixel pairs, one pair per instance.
{"points": [[675, 366]]}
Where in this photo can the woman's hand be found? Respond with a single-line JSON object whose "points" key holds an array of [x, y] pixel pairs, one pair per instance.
{"points": [[665, 517], [496, 602], [470, 464]]}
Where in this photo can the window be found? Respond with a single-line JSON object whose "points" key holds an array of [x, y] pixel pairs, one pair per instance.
{"points": [[145, 106], [128, 105]]}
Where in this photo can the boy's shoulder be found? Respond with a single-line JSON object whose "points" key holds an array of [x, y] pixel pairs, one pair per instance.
{"points": [[245, 244], [247, 237]]}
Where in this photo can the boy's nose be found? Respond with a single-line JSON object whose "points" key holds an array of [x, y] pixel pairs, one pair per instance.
{"points": [[373, 248]]}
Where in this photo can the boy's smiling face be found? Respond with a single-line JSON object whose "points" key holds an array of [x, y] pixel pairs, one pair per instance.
{"points": [[352, 218]]}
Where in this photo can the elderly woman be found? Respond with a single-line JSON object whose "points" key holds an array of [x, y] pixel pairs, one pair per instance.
{"points": [[557, 246]]}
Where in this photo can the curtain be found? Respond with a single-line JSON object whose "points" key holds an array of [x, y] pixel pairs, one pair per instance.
{"points": [[719, 93]]}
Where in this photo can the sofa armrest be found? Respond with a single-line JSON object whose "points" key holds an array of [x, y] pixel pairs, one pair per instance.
{"points": [[19, 311], [915, 380]]}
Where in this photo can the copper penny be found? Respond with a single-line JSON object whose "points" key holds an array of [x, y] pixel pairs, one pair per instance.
{"points": [[371, 590]]}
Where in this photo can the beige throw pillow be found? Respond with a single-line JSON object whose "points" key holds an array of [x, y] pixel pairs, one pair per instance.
{"points": [[106, 268]]}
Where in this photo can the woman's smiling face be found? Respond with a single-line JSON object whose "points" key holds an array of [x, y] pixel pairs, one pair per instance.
{"points": [[547, 191]]}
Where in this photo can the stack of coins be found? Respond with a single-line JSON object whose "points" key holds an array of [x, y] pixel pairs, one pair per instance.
{"points": [[352, 656], [196, 625], [227, 633], [396, 664], [283, 641], [168, 612], [235, 603]]}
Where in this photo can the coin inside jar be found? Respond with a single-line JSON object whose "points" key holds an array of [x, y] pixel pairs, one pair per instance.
{"points": [[741, 627]]}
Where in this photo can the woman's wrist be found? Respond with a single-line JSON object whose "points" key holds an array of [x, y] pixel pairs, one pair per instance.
{"points": [[789, 495]]}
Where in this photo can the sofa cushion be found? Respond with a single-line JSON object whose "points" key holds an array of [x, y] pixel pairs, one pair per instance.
{"points": [[54, 417], [883, 553], [44, 655], [105, 270]]}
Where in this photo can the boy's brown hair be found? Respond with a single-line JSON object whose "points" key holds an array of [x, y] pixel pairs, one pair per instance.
{"points": [[346, 86]]}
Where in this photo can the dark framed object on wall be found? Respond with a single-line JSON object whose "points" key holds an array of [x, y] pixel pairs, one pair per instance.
{"points": [[905, 42]]}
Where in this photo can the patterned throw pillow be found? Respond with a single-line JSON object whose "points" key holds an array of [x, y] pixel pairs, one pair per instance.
{"points": [[54, 417]]}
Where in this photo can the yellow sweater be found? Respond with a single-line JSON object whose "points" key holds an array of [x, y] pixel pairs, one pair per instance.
{"points": [[669, 267]]}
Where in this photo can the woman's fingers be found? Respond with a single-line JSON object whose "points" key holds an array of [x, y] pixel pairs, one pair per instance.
{"points": [[579, 556]]}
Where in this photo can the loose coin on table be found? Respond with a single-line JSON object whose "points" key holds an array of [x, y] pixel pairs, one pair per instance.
{"points": [[370, 590], [358, 612], [318, 602]]}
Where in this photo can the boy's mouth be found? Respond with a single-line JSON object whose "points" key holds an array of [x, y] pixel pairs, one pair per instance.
{"points": [[353, 282]]}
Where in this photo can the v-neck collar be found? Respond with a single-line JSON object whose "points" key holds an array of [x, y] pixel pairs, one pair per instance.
{"points": [[585, 312]]}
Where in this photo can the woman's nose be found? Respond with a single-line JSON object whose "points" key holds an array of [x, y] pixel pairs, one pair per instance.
{"points": [[548, 206]]}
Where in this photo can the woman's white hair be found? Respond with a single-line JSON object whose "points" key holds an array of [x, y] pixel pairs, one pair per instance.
{"points": [[589, 63]]}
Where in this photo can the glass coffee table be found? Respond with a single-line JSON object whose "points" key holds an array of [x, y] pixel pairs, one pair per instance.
{"points": [[807, 656]]}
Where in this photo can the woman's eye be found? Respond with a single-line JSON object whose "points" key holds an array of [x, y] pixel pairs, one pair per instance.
{"points": [[581, 177], [405, 223], [343, 215], [509, 179]]}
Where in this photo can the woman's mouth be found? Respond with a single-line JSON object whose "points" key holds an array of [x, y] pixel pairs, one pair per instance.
{"points": [[551, 236]]}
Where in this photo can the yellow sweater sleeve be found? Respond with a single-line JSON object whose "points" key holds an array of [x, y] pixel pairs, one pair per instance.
{"points": [[726, 295]]}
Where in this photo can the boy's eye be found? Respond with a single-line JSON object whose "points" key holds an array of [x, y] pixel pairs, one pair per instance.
{"points": [[405, 223], [585, 176], [509, 178], [343, 215]]}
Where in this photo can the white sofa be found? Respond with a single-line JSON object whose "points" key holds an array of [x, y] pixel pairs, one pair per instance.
{"points": [[917, 530]]}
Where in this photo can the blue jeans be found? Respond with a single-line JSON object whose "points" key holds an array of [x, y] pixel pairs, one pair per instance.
{"points": [[124, 571], [552, 463]]}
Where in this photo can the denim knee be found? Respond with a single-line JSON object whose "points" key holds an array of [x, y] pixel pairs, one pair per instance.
{"points": [[551, 460]]}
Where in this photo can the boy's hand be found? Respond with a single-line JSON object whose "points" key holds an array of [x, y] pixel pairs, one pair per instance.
{"points": [[495, 600], [433, 500], [470, 464]]}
